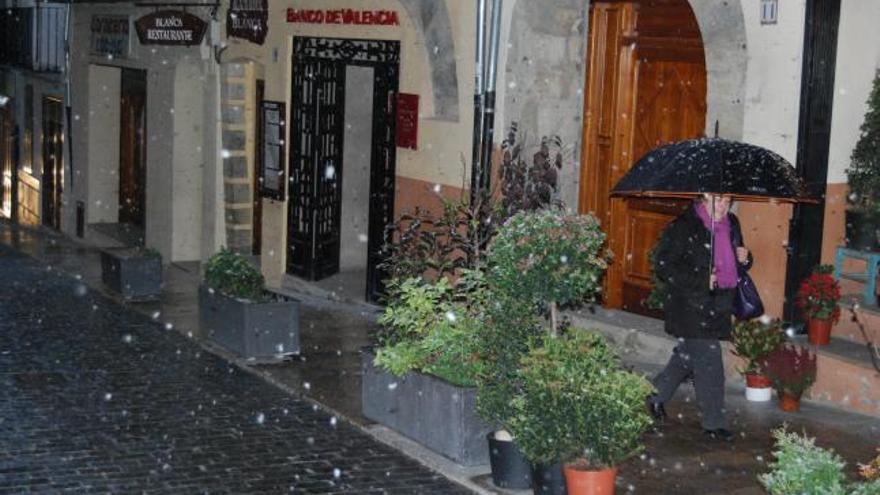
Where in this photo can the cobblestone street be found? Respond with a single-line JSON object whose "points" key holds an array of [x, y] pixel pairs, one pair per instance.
{"points": [[97, 398]]}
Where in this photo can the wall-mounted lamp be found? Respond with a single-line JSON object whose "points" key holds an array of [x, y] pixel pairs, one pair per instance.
{"points": [[769, 11], [3, 100]]}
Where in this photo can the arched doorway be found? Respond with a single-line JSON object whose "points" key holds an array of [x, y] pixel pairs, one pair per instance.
{"points": [[646, 86]]}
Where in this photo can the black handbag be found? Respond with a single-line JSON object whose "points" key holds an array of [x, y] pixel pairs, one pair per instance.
{"points": [[747, 303]]}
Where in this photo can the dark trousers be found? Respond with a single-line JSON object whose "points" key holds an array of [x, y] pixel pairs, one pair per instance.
{"points": [[702, 358]]}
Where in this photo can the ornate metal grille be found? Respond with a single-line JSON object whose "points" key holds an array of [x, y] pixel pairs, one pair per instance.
{"points": [[317, 127]]}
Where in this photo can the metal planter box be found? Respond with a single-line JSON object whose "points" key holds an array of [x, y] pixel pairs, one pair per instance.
{"points": [[264, 330], [131, 273], [440, 416]]}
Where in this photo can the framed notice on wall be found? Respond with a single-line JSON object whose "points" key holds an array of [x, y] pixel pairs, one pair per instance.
{"points": [[271, 149]]}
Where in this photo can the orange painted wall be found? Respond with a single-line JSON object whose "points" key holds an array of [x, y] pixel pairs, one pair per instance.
{"points": [[834, 222], [765, 231], [411, 193]]}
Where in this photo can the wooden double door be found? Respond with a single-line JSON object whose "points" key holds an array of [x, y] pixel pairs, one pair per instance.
{"points": [[646, 86], [133, 147]]}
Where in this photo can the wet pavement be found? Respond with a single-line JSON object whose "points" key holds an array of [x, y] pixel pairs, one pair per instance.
{"points": [[678, 459], [98, 398]]}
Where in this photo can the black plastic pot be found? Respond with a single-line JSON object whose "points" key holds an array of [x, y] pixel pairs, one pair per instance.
{"points": [[862, 231], [510, 469], [548, 480]]}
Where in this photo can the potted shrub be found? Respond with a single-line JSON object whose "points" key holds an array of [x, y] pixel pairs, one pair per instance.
{"points": [[791, 370], [133, 272], [578, 406], [420, 382], [753, 340], [800, 467], [538, 261], [863, 177], [238, 313], [817, 298]]}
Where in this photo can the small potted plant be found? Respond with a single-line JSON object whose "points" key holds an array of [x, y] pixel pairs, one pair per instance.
{"points": [[579, 407], [863, 177], [238, 313], [752, 341], [792, 371], [133, 272], [817, 298]]}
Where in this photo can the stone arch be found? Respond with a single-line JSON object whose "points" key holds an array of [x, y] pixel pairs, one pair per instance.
{"points": [[431, 20], [724, 42]]}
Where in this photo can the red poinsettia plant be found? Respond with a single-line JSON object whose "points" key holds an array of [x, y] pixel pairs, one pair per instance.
{"points": [[818, 295]]}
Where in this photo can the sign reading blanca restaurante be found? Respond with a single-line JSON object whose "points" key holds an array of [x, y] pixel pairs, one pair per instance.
{"points": [[170, 27], [344, 16]]}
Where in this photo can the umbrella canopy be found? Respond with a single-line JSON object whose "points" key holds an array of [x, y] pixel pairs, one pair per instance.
{"points": [[713, 165]]}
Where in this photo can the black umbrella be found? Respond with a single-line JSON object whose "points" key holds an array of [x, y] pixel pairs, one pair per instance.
{"points": [[686, 169], [713, 165]]}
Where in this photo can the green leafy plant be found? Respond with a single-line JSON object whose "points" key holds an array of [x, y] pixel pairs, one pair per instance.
{"points": [[863, 174], [791, 369], [232, 274], [431, 327], [548, 258], [509, 328], [753, 340], [577, 402], [801, 468]]}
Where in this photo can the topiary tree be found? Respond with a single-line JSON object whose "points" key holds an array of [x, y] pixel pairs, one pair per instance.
{"points": [[578, 402], [548, 258], [863, 174]]}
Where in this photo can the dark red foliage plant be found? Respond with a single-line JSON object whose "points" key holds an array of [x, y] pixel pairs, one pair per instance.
{"points": [[791, 369]]}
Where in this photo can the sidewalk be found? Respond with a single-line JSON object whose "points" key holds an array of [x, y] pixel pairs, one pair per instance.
{"points": [[678, 460]]}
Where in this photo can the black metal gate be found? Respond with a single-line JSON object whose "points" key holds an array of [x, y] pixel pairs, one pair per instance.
{"points": [[316, 137]]}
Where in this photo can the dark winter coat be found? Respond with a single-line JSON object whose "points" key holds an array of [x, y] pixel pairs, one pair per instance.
{"points": [[682, 264]]}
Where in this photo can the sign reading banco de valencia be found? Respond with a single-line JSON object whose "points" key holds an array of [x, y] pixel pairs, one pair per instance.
{"points": [[248, 19], [170, 27]]}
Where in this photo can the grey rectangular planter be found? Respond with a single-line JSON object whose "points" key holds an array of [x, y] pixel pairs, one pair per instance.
{"points": [[264, 330], [440, 416], [131, 273]]}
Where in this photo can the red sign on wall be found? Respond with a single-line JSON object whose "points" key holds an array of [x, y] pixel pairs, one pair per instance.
{"points": [[344, 16], [407, 121]]}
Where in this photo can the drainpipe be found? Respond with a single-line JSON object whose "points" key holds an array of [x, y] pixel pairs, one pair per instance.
{"points": [[479, 94], [67, 103], [488, 130]]}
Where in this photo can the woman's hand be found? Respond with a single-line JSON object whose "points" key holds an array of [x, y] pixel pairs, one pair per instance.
{"points": [[742, 255]]}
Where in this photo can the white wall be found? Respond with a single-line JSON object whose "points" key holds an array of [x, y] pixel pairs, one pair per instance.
{"points": [[187, 163], [858, 57], [773, 77], [103, 144]]}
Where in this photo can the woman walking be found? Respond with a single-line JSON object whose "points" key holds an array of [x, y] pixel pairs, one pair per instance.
{"points": [[698, 303]]}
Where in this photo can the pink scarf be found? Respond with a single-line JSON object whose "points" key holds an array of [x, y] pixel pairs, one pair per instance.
{"points": [[725, 259]]}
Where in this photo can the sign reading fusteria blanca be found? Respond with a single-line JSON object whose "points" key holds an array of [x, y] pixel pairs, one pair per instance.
{"points": [[248, 19], [170, 27], [344, 16]]}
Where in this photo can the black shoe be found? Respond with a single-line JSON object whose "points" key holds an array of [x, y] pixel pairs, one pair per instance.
{"points": [[655, 409], [719, 434]]}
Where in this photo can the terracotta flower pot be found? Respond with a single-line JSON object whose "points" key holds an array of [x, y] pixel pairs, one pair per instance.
{"points": [[755, 380], [819, 331], [789, 403], [757, 388], [580, 481]]}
